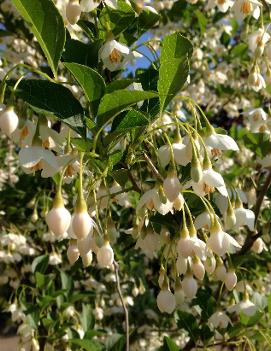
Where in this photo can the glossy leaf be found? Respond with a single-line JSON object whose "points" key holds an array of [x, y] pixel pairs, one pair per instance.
{"points": [[175, 54], [113, 103], [91, 81], [48, 97], [47, 25]]}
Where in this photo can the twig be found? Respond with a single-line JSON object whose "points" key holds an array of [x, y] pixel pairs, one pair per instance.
{"points": [[132, 180], [154, 170], [116, 266], [252, 236]]}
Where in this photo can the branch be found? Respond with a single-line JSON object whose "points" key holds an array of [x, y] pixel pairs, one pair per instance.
{"points": [[116, 266], [153, 168], [252, 236]]}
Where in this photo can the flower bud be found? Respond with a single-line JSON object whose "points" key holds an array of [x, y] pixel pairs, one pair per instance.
{"points": [[82, 223], [190, 286], [181, 265], [184, 246], [258, 246], [178, 203], [73, 252], [210, 264], [172, 187], [105, 255], [230, 280], [230, 218], [198, 269], [87, 259], [220, 272], [196, 171], [166, 301], [85, 245], [58, 218], [73, 11], [179, 297], [8, 121]]}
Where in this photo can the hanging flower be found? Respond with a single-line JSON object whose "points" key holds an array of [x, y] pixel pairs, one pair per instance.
{"points": [[257, 41], [36, 158], [166, 301], [209, 181], [222, 5], [220, 142], [244, 216], [8, 120], [221, 242], [151, 199], [244, 8], [113, 55], [219, 320]]}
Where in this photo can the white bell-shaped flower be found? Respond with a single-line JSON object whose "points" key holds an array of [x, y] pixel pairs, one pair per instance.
{"points": [[185, 245], [181, 265], [256, 120], [197, 268], [58, 218], [182, 154], [257, 41], [87, 259], [179, 297], [221, 242], [36, 158], [73, 11], [172, 187], [8, 120], [219, 320], [152, 200], [210, 264], [113, 55], [87, 244], [244, 8], [230, 280], [178, 202], [256, 81], [222, 6], [105, 255], [203, 221], [82, 223], [166, 301], [220, 272], [149, 244], [220, 141], [209, 181], [190, 286], [244, 216], [73, 252], [258, 246], [245, 306]]}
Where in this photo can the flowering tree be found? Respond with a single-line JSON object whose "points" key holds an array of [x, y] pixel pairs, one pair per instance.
{"points": [[136, 171]]}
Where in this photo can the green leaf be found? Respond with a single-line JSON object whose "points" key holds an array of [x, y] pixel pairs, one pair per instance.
{"points": [[169, 345], [118, 85], [40, 264], [86, 344], [113, 103], [175, 54], [91, 82], [48, 97], [47, 25], [42, 280], [132, 119], [202, 21], [86, 317], [250, 320]]}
